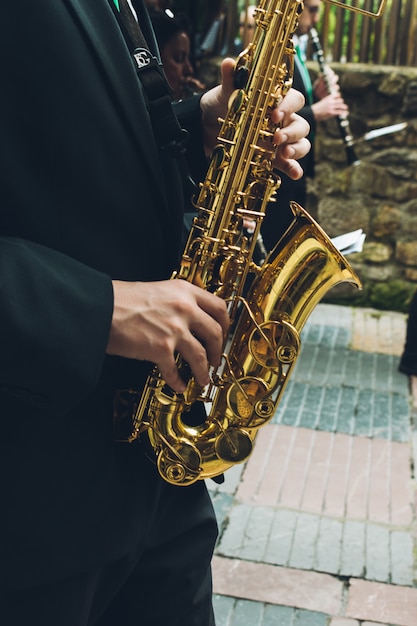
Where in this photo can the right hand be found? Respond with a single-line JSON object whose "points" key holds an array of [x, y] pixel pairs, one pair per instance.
{"points": [[154, 321]]}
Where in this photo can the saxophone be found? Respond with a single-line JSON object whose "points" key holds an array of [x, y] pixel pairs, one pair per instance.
{"points": [[268, 305]]}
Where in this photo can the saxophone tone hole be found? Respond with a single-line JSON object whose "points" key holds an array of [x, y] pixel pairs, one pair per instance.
{"points": [[234, 445], [263, 344], [244, 395], [265, 408], [175, 473], [287, 354], [181, 464]]}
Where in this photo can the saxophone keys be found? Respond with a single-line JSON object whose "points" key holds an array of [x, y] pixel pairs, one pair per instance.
{"points": [[179, 463], [274, 342], [243, 396], [249, 400], [233, 445]]}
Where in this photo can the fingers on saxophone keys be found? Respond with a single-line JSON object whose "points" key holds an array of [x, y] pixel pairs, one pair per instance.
{"points": [[207, 344], [201, 344], [293, 102], [296, 130], [295, 150], [196, 357], [294, 170], [171, 375]]}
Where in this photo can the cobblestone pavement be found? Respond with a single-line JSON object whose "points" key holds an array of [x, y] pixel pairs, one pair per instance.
{"points": [[318, 527]]}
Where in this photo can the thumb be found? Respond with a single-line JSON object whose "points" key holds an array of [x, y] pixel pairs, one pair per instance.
{"points": [[227, 74]]}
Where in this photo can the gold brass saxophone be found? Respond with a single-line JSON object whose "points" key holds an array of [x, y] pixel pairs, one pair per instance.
{"points": [[268, 305]]}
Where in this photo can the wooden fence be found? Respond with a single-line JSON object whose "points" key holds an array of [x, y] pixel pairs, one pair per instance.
{"points": [[391, 39], [345, 35]]}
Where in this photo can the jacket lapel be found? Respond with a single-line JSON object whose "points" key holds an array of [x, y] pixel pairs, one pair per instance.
{"points": [[100, 26]]}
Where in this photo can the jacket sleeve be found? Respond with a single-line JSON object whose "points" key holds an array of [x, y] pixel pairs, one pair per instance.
{"points": [[189, 116], [307, 113], [54, 324]]}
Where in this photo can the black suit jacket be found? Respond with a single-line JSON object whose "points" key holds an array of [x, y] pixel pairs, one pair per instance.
{"points": [[86, 197]]}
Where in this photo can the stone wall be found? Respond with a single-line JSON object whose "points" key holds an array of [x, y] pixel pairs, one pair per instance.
{"points": [[379, 194]]}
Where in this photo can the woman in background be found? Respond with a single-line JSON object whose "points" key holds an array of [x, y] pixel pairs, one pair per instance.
{"points": [[173, 33]]}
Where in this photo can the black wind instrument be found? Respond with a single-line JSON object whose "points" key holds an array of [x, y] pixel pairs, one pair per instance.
{"points": [[342, 120]]}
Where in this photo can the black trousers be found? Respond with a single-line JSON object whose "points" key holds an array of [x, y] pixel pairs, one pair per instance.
{"points": [[278, 214], [166, 582], [408, 361]]}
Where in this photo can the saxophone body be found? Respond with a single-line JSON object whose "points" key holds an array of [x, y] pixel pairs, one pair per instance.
{"points": [[268, 304]]}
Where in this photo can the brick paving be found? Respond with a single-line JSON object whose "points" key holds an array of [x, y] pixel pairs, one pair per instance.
{"points": [[318, 528]]}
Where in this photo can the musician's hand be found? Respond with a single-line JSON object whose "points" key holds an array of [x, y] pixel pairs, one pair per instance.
{"points": [[323, 86], [290, 139], [214, 104], [291, 135], [330, 106], [154, 321], [194, 84]]}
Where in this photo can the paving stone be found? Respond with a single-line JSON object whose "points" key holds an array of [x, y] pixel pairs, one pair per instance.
{"points": [[328, 546], [312, 334], [282, 615], [377, 602], [281, 538], [232, 539], [355, 411], [260, 582], [402, 561], [317, 527], [222, 503], [329, 336], [309, 618], [310, 542], [378, 331], [232, 479], [231, 612], [304, 543], [256, 534], [352, 560], [377, 550], [223, 609], [247, 613], [332, 315]]}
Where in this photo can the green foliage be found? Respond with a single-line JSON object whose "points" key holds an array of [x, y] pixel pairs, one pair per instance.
{"points": [[392, 295], [346, 35]]}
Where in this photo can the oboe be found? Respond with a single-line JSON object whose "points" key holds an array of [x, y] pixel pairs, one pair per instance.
{"points": [[342, 120]]}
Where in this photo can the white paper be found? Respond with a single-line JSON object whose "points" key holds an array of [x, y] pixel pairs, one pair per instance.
{"points": [[350, 242]]}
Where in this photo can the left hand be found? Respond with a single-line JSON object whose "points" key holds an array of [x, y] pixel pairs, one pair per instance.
{"points": [[290, 137]]}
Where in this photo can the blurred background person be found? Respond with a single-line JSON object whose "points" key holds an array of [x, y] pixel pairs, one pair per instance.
{"points": [[174, 36], [157, 4], [246, 28]]}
